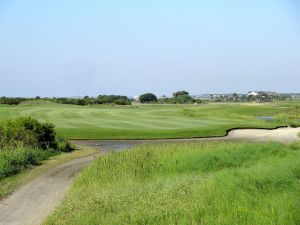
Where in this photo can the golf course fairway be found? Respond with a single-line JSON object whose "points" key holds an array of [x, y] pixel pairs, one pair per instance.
{"points": [[153, 121]]}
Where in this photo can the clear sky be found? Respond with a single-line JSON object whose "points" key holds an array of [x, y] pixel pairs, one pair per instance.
{"points": [[91, 47]]}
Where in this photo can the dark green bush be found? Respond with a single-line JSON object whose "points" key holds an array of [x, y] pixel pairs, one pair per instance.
{"points": [[148, 97], [180, 93]]}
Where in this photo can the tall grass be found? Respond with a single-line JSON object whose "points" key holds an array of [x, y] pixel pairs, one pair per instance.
{"points": [[208, 183], [13, 161]]}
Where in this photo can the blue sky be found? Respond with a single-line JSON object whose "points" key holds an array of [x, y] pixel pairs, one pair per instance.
{"points": [[91, 47]]}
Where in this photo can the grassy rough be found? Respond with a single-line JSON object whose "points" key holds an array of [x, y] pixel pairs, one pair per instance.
{"points": [[206, 183], [12, 161], [154, 121]]}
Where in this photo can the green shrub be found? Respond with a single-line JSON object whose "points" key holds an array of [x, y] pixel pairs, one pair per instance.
{"points": [[63, 145], [180, 93], [28, 132]]}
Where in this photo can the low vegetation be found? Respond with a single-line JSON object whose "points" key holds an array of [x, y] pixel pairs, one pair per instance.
{"points": [[206, 183], [25, 142], [100, 100], [11, 183], [12, 161], [179, 97]]}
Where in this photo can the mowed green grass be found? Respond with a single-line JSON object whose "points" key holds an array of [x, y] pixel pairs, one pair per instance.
{"points": [[149, 121], [188, 184]]}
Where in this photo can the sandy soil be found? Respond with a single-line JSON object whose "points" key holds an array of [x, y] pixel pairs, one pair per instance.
{"points": [[34, 201]]}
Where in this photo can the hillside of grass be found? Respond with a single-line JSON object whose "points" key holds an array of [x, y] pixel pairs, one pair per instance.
{"points": [[204, 183], [155, 121]]}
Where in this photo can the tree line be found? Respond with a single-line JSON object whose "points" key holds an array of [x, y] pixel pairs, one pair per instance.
{"points": [[179, 97], [101, 99]]}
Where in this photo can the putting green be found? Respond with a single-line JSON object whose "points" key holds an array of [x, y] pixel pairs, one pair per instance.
{"points": [[147, 121]]}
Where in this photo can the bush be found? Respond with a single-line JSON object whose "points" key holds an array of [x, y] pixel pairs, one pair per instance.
{"points": [[24, 142], [180, 93], [26, 131], [63, 145], [29, 132]]}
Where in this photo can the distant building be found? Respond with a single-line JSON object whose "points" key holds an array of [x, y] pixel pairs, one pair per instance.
{"points": [[136, 98], [202, 97], [261, 93]]}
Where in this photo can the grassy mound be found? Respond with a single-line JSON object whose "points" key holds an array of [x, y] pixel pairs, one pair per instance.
{"points": [[207, 183]]}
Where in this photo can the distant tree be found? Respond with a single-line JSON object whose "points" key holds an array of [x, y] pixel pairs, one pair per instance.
{"points": [[37, 97], [180, 93], [148, 97], [181, 99], [235, 97]]}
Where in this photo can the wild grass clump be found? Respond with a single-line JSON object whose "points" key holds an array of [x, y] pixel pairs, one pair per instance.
{"points": [[13, 161], [205, 183]]}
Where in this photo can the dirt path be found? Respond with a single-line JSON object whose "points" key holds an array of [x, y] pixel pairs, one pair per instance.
{"points": [[34, 201]]}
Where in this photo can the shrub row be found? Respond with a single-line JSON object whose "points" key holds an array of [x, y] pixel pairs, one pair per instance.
{"points": [[101, 99]]}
